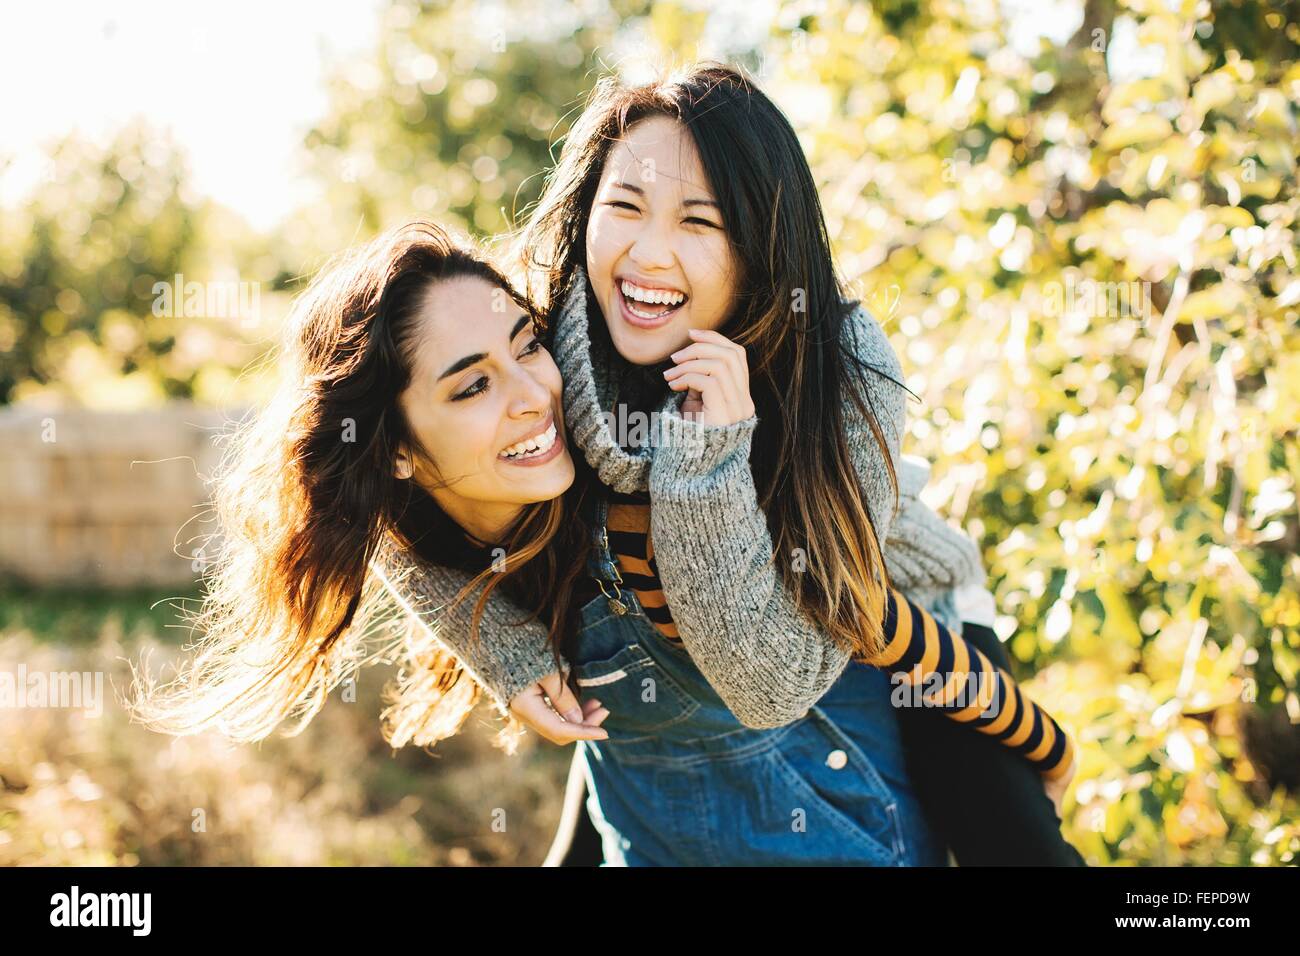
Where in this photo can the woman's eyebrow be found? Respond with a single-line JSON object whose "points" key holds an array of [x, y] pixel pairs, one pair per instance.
{"points": [[685, 202], [461, 364], [524, 319]]}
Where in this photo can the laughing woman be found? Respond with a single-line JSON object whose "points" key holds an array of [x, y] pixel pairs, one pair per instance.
{"points": [[380, 439]]}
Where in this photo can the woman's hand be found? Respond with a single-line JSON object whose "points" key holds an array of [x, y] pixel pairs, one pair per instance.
{"points": [[1056, 788], [714, 372], [567, 721]]}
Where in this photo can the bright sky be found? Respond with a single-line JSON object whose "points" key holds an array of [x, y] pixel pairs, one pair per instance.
{"points": [[239, 83]]}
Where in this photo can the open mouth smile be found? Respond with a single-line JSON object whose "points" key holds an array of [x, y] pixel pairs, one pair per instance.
{"points": [[649, 306], [540, 447]]}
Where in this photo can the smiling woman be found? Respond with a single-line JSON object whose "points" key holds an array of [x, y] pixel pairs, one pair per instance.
{"points": [[421, 413], [492, 385], [659, 257]]}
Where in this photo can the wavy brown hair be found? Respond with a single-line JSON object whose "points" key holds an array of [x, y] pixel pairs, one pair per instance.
{"points": [[800, 373], [306, 499]]}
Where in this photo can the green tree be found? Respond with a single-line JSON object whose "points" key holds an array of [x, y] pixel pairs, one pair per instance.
{"points": [[453, 115], [79, 259]]}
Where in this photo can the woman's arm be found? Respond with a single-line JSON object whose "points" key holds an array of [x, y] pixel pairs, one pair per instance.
{"points": [[933, 667], [923, 553], [765, 658], [507, 658]]}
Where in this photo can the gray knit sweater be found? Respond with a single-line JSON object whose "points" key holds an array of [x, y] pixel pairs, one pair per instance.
{"points": [[767, 661]]}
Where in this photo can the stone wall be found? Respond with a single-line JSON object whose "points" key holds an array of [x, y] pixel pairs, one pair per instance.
{"points": [[105, 499]]}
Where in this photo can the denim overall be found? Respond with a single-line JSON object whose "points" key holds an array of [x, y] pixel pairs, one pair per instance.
{"points": [[681, 782]]}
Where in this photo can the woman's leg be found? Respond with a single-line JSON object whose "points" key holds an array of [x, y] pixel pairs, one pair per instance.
{"points": [[987, 802]]}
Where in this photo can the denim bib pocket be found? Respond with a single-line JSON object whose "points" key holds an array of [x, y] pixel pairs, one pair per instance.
{"points": [[642, 698]]}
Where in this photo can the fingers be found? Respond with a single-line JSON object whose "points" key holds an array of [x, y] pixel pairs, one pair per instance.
{"points": [[709, 365], [709, 335], [692, 408], [730, 354], [532, 709], [726, 386], [563, 699], [709, 388], [731, 360], [594, 713], [726, 399], [718, 370], [535, 714]]}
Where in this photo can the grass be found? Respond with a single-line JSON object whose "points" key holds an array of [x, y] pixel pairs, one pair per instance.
{"points": [[78, 789]]}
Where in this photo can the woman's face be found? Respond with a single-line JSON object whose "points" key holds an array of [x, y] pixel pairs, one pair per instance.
{"points": [[485, 403], [657, 253]]}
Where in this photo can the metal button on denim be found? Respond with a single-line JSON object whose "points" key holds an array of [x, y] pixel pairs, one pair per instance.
{"points": [[837, 759]]}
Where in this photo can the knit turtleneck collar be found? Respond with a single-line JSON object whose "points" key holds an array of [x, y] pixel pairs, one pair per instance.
{"points": [[594, 375]]}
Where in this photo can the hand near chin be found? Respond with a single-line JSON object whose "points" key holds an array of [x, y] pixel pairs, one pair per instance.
{"points": [[714, 373], [552, 710]]}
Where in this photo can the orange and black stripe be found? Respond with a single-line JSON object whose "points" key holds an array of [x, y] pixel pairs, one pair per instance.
{"points": [[628, 528], [976, 691], [916, 646]]}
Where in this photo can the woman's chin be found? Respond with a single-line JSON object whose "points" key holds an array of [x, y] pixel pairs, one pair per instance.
{"points": [[531, 484], [641, 348]]}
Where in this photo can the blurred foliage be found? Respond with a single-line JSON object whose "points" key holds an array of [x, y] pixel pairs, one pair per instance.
{"points": [[78, 616], [1086, 257], [80, 261], [1084, 250], [454, 116]]}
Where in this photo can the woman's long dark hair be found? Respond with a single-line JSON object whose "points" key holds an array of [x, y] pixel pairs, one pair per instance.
{"points": [[789, 314], [306, 499]]}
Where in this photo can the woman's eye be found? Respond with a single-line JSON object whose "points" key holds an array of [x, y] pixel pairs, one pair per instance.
{"points": [[479, 385], [532, 348], [620, 204], [697, 221]]}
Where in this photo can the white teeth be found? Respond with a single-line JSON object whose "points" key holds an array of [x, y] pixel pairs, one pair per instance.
{"points": [[531, 447], [652, 296]]}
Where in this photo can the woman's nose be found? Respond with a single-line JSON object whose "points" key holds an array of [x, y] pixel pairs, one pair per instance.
{"points": [[651, 249], [531, 396]]}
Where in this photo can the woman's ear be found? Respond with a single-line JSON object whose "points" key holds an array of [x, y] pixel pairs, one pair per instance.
{"points": [[402, 465]]}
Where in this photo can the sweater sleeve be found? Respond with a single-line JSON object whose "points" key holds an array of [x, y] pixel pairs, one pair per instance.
{"points": [[923, 553], [763, 656], [508, 655], [766, 659]]}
